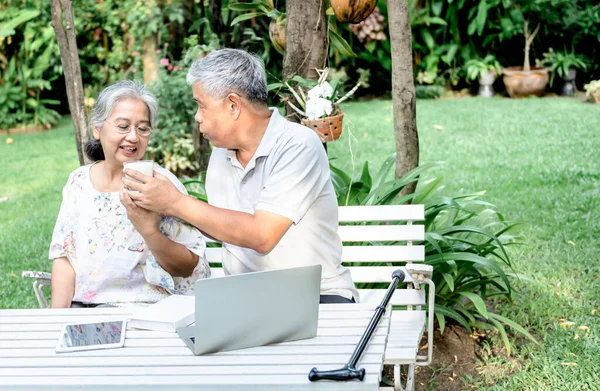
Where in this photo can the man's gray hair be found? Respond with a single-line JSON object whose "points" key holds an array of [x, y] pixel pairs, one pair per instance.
{"points": [[113, 94], [231, 70]]}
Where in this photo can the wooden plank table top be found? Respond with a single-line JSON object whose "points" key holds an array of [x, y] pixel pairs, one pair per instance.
{"points": [[154, 360]]}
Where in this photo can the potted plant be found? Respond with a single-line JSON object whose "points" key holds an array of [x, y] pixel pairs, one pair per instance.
{"points": [[564, 64], [263, 8], [318, 102], [592, 89], [523, 81], [485, 71]]}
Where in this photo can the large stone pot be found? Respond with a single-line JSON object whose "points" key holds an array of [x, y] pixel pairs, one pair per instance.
{"points": [[520, 83]]}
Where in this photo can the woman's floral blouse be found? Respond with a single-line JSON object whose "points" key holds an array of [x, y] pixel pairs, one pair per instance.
{"points": [[112, 262]]}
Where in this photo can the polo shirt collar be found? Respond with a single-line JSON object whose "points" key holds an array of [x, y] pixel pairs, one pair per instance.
{"points": [[268, 142]]}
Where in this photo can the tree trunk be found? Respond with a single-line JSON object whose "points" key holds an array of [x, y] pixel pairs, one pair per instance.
{"points": [[69, 57], [306, 42], [528, 41], [216, 20], [403, 91], [202, 148], [149, 60]]}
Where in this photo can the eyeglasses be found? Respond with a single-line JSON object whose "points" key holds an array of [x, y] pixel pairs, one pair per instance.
{"points": [[142, 130]]}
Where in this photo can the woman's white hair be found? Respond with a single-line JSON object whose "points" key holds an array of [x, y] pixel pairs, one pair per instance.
{"points": [[105, 104], [113, 94], [231, 70]]}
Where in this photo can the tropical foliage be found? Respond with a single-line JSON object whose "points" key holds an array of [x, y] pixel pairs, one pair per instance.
{"points": [[560, 62], [28, 64], [118, 39], [465, 242]]}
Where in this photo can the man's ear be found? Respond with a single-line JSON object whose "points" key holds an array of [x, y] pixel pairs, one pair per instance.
{"points": [[235, 104], [95, 130]]}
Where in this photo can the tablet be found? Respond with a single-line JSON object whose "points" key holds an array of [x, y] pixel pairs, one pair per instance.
{"points": [[90, 336]]}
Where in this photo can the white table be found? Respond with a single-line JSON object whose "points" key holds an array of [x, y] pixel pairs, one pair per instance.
{"points": [[154, 360]]}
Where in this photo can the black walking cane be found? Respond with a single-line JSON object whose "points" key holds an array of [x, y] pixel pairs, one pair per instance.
{"points": [[349, 371]]}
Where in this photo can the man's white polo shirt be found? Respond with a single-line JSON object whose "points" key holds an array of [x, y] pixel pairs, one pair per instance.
{"points": [[288, 175]]}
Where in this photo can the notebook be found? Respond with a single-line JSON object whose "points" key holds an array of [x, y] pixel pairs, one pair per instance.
{"points": [[254, 309], [166, 315]]}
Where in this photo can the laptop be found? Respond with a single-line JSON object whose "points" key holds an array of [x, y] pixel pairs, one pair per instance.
{"points": [[254, 309]]}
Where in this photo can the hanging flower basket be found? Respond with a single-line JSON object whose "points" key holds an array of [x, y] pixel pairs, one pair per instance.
{"points": [[352, 11], [328, 128]]}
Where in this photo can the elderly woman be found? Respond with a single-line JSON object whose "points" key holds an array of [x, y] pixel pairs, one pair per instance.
{"points": [[107, 250]]}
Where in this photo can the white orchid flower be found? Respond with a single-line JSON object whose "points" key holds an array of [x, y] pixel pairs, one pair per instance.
{"points": [[323, 90], [318, 107]]}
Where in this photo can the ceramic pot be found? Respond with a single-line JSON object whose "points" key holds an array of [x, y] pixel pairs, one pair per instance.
{"points": [[328, 128]]}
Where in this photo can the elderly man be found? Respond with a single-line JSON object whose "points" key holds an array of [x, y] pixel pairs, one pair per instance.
{"points": [[271, 200]]}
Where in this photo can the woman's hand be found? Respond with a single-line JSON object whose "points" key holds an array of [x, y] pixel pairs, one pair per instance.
{"points": [[145, 221]]}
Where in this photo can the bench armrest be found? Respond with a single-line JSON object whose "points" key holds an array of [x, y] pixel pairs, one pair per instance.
{"points": [[419, 273], [41, 279]]}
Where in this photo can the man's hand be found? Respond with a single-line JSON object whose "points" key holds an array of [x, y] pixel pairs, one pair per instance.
{"points": [[144, 221], [156, 193]]}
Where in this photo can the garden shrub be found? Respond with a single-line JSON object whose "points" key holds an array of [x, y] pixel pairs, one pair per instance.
{"points": [[428, 91], [465, 242], [171, 144]]}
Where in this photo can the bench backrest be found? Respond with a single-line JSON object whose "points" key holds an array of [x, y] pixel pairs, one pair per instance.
{"points": [[365, 232]]}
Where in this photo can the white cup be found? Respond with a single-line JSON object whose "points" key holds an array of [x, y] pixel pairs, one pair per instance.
{"points": [[146, 167]]}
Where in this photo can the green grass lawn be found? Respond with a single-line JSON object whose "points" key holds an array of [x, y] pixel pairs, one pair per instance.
{"points": [[536, 159]]}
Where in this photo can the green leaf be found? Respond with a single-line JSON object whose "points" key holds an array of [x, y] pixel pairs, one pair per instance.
{"points": [[482, 12], [243, 17], [441, 321], [241, 7], [341, 174], [426, 191], [428, 38], [275, 86], [450, 54], [449, 280], [477, 301], [23, 16], [340, 43], [42, 62], [513, 325], [502, 333], [435, 20], [468, 257], [437, 7], [384, 170], [449, 312], [433, 238], [194, 182], [365, 177]]}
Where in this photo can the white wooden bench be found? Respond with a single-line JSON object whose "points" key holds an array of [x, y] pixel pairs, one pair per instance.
{"points": [[377, 240]]}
